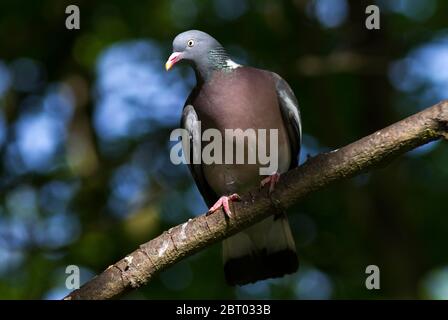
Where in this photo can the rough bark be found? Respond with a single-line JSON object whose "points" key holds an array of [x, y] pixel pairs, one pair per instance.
{"points": [[137, 268]]}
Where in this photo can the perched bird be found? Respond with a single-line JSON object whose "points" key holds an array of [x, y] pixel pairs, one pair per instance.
{"points": [[232, 96]]}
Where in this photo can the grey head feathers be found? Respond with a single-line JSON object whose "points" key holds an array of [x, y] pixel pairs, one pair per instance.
{"points": [[203, 52]]}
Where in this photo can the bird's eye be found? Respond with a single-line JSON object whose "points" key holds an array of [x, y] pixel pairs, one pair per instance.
{"points": [[190, 43]]}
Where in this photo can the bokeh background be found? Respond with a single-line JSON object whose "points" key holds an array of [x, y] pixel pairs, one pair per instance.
{"points": [[85, 117]]}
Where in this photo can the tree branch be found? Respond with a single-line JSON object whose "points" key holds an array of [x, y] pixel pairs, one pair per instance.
{"points": [[196, 234]]}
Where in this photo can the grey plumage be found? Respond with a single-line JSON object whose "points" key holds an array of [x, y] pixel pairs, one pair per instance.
{"points": [[229, 96], [205, 56]]}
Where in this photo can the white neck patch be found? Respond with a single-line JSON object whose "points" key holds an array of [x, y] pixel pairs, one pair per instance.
{"points": [[232, 64]]}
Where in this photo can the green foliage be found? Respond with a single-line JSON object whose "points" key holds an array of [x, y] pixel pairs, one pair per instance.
{"points": [[82, 184]]}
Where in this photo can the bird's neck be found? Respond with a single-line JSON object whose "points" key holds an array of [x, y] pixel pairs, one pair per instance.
{"points": [[218, 60]]}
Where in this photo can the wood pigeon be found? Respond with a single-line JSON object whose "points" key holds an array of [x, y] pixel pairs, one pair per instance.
{"points": [[232, 96]]}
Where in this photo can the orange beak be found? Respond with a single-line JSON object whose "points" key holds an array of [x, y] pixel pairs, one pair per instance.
{"points": [[174, 57]]}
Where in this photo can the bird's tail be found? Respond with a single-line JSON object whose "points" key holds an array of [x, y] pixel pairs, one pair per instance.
{"points": [[265, 250]]}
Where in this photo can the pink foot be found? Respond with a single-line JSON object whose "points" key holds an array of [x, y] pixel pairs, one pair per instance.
{"points": [[224, 202], [272, 180]]}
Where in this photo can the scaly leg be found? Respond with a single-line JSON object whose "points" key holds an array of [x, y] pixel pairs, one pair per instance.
{"points": [[224, 202], [272, 180]]}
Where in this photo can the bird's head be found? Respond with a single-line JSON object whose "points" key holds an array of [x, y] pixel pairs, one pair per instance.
{"points": [[195, 47]]}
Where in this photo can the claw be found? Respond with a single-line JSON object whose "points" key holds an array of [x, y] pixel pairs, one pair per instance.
{"points": [[272, 180], [224, 203]]}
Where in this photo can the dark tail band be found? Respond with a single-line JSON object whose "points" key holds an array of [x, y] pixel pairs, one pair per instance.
{"points": [[250, 268]]}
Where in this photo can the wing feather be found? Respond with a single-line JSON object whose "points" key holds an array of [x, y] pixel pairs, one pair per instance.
{"points": [[291, 116], [190, 122]]}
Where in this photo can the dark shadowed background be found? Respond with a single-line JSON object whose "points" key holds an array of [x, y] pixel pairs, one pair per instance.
{"points": [[85, 118]]}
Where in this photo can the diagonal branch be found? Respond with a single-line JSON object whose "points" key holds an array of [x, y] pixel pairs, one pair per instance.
{"points": [[196, 234]]}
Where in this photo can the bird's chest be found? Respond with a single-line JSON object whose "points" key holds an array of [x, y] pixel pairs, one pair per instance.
{"points": [[230, 102], [245, 117]]}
